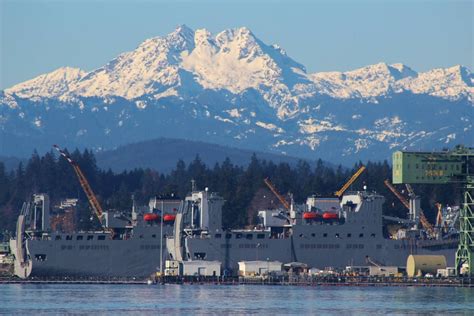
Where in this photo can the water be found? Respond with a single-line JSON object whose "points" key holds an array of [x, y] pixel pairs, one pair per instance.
{"points": [[21, 299]]}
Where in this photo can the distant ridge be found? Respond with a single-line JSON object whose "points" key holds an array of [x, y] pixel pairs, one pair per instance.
{"points": [[162, 154]]}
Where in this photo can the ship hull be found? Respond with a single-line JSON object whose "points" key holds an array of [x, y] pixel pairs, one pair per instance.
{"points": [[109, 258], [317, 253], [94, 255]]}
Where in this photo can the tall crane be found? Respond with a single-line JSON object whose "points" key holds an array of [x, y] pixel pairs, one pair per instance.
{"points": [[350, 182], [277, 194], [423, 220], [94, 203]]}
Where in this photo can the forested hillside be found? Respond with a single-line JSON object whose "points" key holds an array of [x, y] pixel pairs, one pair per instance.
{"points": [[240, 186]]}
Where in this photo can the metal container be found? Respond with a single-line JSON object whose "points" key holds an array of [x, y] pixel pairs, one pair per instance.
{"points": [[419, 265]]}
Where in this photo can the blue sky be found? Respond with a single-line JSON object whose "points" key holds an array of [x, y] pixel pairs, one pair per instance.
{"points": [[40, 36]]}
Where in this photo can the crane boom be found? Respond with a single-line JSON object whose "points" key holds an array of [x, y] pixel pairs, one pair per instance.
{"points": [[277, 194], [400, 197], [84, 184], [350, 182], [423, 220]]}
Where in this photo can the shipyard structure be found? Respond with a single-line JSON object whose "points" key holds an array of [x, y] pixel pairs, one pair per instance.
{"points": [[173, 236]]}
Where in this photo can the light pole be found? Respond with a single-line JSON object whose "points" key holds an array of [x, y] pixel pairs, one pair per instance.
{"points": [[161, 238]]}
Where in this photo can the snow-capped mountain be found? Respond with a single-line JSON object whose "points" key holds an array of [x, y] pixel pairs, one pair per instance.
{"points": [[233, 89]]}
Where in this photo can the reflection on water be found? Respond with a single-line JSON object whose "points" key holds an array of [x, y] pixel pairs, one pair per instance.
{"points": [[226, 299]]}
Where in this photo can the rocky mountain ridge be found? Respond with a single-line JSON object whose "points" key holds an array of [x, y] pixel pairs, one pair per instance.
{"points": [[234, 89]]}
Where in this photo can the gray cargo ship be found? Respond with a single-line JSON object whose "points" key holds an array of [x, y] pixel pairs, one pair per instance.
{"points": [[128, 246], [322, 233]]}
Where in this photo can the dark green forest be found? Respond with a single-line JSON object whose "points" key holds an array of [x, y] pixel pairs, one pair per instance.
{"points": [[240, 186]]}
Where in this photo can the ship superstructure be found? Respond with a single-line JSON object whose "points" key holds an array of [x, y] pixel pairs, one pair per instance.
{"points": [[321, 233]]}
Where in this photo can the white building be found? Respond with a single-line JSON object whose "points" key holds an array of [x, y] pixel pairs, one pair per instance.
{"points": [[201, 268], [251, 268]]}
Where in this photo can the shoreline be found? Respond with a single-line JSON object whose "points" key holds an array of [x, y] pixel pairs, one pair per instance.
{"points": [[312, 282]]}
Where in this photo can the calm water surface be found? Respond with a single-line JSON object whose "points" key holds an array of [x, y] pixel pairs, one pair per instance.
{"points": [[21, 299]]}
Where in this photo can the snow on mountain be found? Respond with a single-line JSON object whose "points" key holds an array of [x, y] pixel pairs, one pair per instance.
{"points": [[370, 81], [382, 79], [451, 83], [149, 69], [53, 84], [235, 60], [231, 88]]}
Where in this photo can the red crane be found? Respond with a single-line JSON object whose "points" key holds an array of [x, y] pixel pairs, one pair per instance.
{"points": [[84, 184], [277, 194]]}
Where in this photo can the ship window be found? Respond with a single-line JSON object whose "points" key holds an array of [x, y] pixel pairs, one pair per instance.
{"points": [[90, 237], [348, 246], [249, 236], [228, 236], [199, 255], [313, 235], [349, 235], [336, 246], [58, 237], [141, 237], [325, 235], [301, 235], [361, 235], [101, 237], [80, 237], [68, 237], [238, 236], [361, 246], [337, 236], [260, 236], [325, 246], [40, 257], [372, 235], [153, 236], [217, 236]]}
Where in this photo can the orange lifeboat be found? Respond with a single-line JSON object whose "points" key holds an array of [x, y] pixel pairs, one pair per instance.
{"points": [[328, 215], [311, 215], [169, 217], [150, 217]]}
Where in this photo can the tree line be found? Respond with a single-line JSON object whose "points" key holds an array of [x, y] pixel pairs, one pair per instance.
{"points": [[238, 185]]}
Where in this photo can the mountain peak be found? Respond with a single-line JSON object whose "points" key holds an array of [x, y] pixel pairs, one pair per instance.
{"points": [[189, 62], [182, 31], [400, 71]]}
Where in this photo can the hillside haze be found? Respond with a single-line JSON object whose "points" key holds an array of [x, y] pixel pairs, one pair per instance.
{"points": [[233, 89], [162, 155]]}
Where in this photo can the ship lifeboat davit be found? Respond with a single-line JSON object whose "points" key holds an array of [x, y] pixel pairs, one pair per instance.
{"points": [[329, 216], [150, 217], [169, 217], [311, 215]]}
